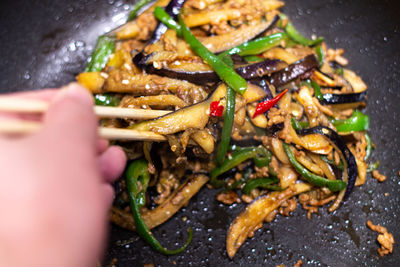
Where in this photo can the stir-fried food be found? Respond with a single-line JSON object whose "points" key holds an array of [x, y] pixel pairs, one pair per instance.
{"points": [[267, 115]]}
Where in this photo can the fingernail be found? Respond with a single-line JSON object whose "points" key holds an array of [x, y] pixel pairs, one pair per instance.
{"points": [[77, 92]]}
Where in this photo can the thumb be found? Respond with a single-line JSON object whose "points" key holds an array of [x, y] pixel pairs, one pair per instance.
{"points": [[70, 115]]}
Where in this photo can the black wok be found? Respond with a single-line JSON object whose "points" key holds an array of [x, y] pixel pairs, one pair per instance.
{"points": [[44, 43]]}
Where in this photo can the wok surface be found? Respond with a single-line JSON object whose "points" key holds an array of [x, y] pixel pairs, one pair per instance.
{"points": [[46, 43]]}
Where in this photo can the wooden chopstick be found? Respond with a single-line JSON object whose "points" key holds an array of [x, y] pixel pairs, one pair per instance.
{"points": [[21, 127], [21, 105]]}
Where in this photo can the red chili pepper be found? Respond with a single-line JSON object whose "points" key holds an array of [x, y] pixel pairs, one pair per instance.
{"points": [[266, 105], [215, 109]]}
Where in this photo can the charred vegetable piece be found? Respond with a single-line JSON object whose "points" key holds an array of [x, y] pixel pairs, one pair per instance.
{"points": [[330, 99], [334, 186], [349, 161], [252, 217], [258, 45], [296, 36], [109, 100], [136, 7], [368, 150], [105, 46], [299, 125], [266, 105], [357, 122], [228, 124], [260, 69], [260, 155], [294, 71], [265, 183], [227, 74], [136, 171]]}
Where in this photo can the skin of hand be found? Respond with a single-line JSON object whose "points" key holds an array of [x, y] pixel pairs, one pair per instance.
{"points": [[55, 187]]}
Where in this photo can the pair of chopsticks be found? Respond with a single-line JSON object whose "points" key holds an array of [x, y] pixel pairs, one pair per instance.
{"points": [[28, 106]]}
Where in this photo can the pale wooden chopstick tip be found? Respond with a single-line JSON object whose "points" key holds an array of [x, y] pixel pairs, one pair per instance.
{"points": [[21, 105], [21, 127]]}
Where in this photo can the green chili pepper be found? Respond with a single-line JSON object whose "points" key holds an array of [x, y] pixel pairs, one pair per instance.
{"points": [[299, 125], [296, 36], [245, 176], [369, 148], [227, 60], [315, 86], [105, 46], [358, 121], [258, 45], [265, 183], [340, 166], [373, 166], [109, 100], [138, 171], [165, 18], [260, 155], [228, 124], [136, 7], [282, 19], [333, 185], [320, 55], [317, 90], [227, 74], [251, 59], [339, 71]]}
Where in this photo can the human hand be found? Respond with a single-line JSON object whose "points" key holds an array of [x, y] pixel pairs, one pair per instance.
{"points": [[55, 187]]}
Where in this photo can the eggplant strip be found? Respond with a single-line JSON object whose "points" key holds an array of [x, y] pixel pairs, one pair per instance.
{"points": [[204, 140], [333, 99], [220, 43], [324, 166], [294, 71], [350, 166], [211, 17], [195, 116], [356, 82], [155, 100], [312, 142], [142, 84], [164, 211], [252, 217], [150, 65]]}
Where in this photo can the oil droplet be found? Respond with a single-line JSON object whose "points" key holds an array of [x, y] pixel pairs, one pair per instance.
{"points": [[27, 76]]}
